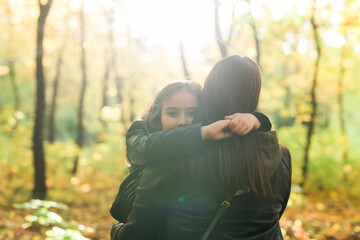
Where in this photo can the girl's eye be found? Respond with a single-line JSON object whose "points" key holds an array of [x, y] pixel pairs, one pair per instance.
{"points": [[172, 114], [190, 113]]}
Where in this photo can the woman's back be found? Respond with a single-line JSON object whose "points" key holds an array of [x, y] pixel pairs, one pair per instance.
{"points": [[190, 207]]}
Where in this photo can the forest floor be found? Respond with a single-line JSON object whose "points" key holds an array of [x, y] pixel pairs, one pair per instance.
{"points": [[320, 215]]}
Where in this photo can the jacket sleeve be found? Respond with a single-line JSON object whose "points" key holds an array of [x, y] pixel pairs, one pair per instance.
{"points": [[287, 162], [265, 124], [159, 146]]}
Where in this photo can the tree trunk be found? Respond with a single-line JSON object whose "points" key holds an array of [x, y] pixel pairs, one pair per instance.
{"points": [[256, 38], [284, 73], [132, 108], [14, 85], [218, 37], [109, 14], [104, 92], [311, 123], [344, 137], [183, 61], [289, 119], [52, 116], [12, 73], [80, 129], [119, 81], [38, 149], [230, 35], [105, 84]]}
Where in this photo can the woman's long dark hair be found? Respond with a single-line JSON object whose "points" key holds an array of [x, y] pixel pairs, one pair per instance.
{"points": [[235, 164]]}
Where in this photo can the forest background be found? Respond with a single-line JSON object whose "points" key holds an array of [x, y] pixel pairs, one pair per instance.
{"points": [[74, 74]]}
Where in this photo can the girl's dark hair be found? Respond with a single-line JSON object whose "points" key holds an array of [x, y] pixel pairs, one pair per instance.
{"points": [[234, 164], [152, 116]]}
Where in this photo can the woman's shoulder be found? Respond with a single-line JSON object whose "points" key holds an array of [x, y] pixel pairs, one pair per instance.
{"points": [[268, 137], [286, 156], [274, 152]]}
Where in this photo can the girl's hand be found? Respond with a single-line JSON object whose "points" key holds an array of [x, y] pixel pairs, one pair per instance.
{"points": [[215, 131], [242, 123]]}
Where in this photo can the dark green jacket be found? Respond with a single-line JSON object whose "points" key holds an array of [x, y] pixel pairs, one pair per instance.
{"points": [[168, 206]]}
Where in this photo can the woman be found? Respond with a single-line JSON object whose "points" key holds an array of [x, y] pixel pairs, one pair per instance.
{"points": [[179, 199]]}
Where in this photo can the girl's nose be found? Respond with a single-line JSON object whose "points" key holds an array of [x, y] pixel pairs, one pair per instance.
{"points": [[182, 120]]}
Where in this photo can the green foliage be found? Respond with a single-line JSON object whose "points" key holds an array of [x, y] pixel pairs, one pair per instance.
{"points": [[40, 204], [326, 167], [43, 217], [296, 199], [57, 233]]}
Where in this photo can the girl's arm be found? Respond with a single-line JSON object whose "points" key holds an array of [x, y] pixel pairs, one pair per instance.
{"points": [[180, 142], [265, 124], [184, 141]]}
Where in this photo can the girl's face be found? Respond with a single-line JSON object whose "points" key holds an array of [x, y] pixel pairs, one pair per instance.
{"points": [[178, 110]]}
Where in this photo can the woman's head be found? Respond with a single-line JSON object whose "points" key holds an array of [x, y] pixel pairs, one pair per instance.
{"points": [[174, 106], [234, 164], [232, 86]]}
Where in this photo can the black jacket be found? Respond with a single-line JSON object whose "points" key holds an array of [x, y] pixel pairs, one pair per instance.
{"points": [[168, 206]]}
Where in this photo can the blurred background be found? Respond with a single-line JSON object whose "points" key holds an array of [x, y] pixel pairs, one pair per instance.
{"points": [[74, 74]]}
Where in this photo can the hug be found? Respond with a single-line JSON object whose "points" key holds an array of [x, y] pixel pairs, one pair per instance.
{"points": [[204, 163]]}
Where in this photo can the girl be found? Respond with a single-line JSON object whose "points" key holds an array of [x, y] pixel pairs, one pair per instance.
{"points": [[174, 107]]}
